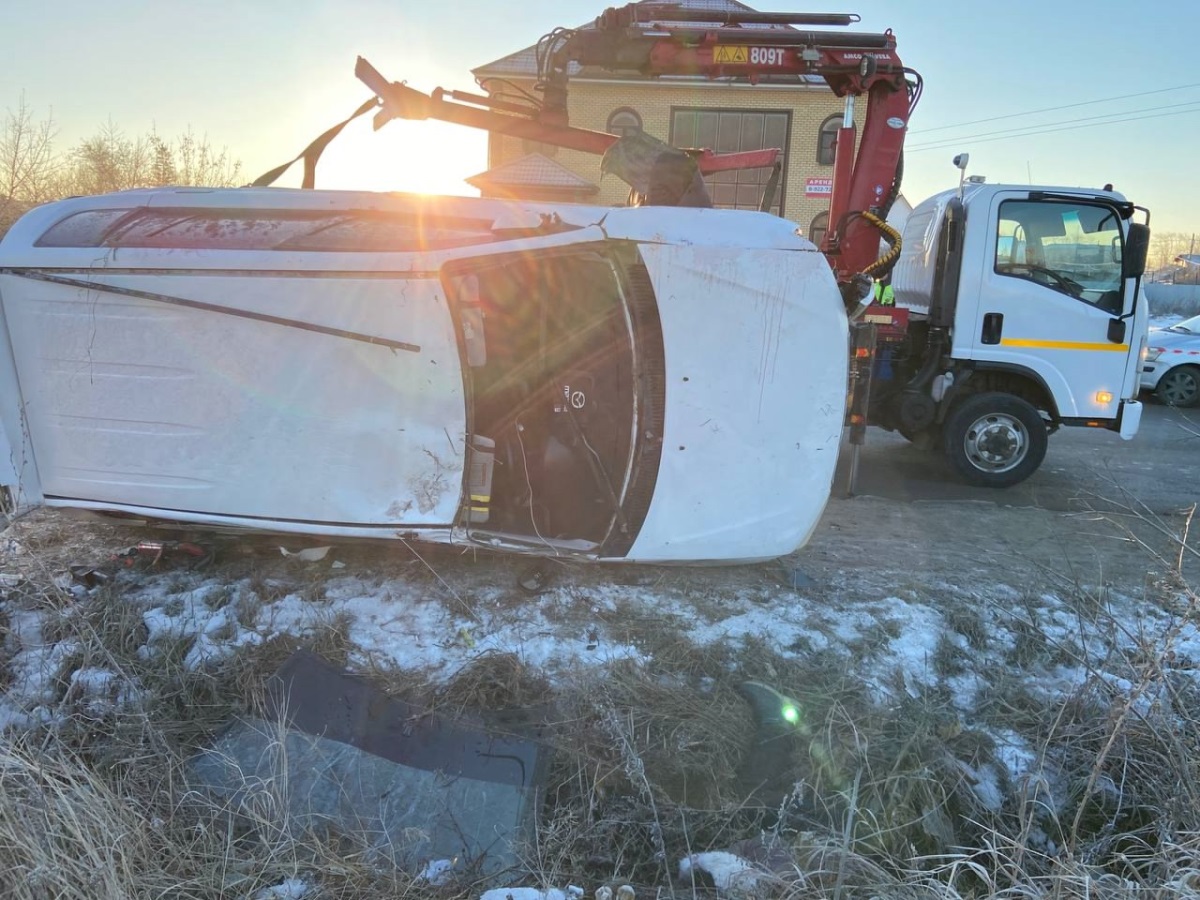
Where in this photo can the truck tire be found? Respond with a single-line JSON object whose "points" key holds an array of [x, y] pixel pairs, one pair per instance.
{"points": [[995, 439], [1179, 386]]}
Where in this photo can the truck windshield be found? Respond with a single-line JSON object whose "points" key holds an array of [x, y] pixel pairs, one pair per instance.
{"points": [[1072, 248]]}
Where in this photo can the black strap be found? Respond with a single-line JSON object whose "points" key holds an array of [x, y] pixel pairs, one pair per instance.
{"points": [[313, 152]]}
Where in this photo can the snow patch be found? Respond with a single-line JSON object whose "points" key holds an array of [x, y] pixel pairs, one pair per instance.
{"points": [[527, 893], [728, 871], [437, 871], [288, 889], [101, 691]]}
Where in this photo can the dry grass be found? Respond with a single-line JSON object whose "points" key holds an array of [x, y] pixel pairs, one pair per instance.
{"points": [[653, 761]]}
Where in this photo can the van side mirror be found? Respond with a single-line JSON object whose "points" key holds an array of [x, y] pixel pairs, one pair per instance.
{"points": [[1116, 331], [1137, 247]]}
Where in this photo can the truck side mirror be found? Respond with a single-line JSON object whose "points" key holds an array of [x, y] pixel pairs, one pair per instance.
{"points": [[1137, 247], [1116, 331]]}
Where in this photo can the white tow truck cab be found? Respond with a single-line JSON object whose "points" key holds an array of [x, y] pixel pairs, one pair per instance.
{"points": [[1023, 315], [658, 385]]}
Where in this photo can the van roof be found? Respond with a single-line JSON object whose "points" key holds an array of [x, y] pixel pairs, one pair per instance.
{"points": [[492, 219]]}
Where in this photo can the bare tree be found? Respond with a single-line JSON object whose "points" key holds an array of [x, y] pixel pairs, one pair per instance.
{"points": [[198, 163], [1165, 246], [28, 165], [32, 172], [111, 160]]}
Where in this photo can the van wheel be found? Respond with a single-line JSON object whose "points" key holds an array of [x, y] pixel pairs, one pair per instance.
{"points": [[995, 440], [1179, 386]]}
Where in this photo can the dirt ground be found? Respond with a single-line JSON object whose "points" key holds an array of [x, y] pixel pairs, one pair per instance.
{"points": [[866, 545], [863, 548]]}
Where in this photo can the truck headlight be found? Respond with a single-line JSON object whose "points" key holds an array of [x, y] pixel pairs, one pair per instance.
{"points": [[1150, 354]]}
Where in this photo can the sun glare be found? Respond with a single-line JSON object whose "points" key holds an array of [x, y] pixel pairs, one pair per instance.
{"points": [[415, 157]]}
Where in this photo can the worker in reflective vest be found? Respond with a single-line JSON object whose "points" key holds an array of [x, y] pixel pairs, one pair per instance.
{"points": [[884, 294]]}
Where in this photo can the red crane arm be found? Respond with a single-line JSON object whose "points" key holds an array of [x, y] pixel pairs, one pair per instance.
{"points": [[488, 114], [670, 40]]}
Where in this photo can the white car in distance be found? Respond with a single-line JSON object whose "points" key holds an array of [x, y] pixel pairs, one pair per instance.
{"points": [[1172, 365]]}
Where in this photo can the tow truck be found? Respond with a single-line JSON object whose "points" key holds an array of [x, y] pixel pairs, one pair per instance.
{"points": [[1017, 307]]}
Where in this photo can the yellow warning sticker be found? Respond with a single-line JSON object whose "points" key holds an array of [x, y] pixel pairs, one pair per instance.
{"points": [[723, 53]]}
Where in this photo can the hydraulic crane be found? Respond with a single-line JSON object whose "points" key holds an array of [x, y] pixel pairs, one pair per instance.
{"points": [[667, 39]]}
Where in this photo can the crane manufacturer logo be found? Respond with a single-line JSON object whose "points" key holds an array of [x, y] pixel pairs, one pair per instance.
{"points": [[753, 56]]}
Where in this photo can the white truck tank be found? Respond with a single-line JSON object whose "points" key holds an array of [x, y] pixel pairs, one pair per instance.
{"points": [[912, 277]]}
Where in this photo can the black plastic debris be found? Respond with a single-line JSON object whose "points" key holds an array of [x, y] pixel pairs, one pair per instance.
{"points": [[89, 576], [534, 579], [337, 754], [767, 774]]}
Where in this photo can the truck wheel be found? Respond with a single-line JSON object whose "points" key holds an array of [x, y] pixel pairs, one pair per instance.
{"points": [[1179, 386], [995, 440]]}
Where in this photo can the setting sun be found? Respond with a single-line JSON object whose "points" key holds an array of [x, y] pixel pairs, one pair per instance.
{"points": [[416, 157]]}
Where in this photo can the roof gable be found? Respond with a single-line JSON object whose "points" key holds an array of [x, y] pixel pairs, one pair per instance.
{"points": [[534, 170]]}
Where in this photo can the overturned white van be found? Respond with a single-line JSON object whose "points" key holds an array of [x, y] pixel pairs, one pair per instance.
{"points": [[646, 384]]}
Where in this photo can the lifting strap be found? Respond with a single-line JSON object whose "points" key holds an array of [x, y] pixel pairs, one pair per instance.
{"points": [[313, 152]]}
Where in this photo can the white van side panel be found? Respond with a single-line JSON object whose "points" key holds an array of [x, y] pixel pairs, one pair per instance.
{"points": [[18, 469], [134, 401], [756, 354]]}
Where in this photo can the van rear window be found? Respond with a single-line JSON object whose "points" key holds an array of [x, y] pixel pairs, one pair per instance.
{"points": [[190, 229], [84, 229]]}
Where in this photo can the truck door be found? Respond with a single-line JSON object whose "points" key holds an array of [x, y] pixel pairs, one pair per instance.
{"points": [[1050, 285]]}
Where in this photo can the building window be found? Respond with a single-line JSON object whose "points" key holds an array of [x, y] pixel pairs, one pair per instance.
{"points": [[733, 131], [624, 122], [827, 140], [817, 228]]}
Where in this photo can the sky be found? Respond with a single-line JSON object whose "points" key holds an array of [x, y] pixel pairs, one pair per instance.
{"points": [[1099, 92]]}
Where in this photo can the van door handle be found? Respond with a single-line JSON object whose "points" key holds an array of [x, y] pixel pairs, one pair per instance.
{"points": [[993, 325]]}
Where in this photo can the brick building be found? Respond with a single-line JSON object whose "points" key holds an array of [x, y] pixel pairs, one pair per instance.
{"points": [[797, 113]]}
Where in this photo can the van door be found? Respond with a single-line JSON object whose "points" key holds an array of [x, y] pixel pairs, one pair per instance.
{"points": [[1051, 284]]}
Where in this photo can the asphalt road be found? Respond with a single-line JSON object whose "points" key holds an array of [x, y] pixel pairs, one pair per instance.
{"points": [[1159, 468]]}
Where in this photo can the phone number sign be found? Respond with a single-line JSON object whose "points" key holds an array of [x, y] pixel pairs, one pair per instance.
{"points": [[818, 187]]}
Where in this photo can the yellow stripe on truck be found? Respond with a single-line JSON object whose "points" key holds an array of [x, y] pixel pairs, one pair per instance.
{"points": [[1062, 345]]}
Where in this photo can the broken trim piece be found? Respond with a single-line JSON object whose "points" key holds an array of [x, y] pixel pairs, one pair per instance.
{"points": [[212, 307]]}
